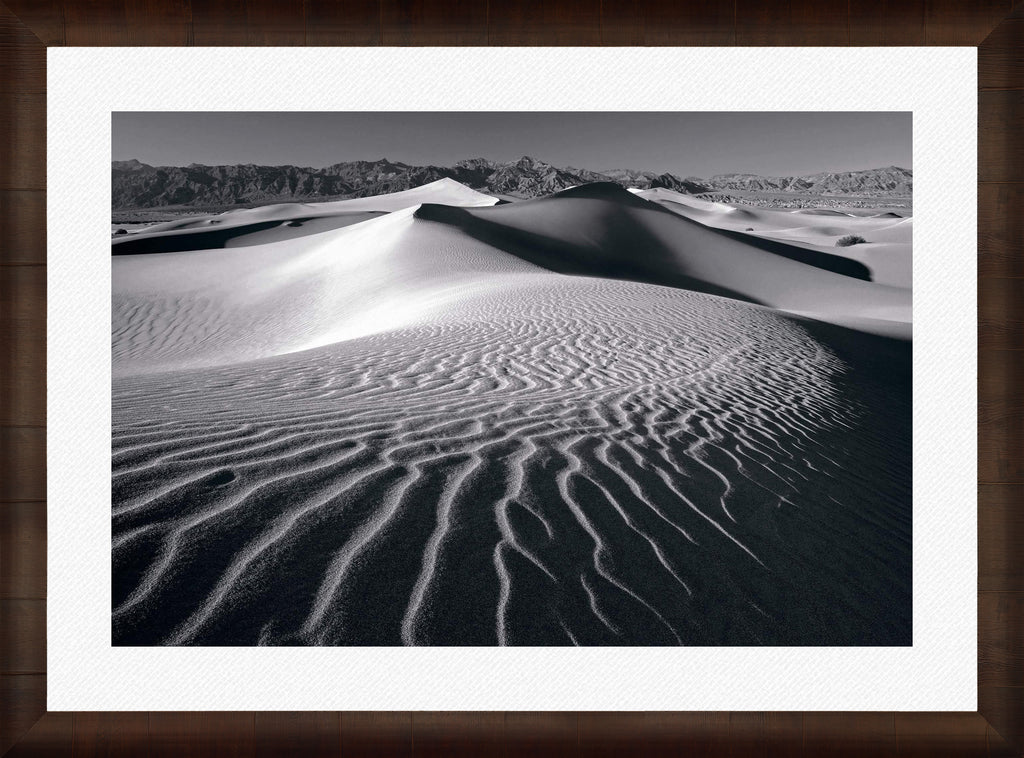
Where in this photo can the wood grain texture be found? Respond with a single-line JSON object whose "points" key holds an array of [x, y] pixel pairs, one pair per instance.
{"points": [[887, 22], [439, 734], [159, 22], [962, 22], [45, 18], [22, 56], [1000, 416], [22, 140], [22, 227], [111, 735], [50, 736], [869, 734], [95, 22], [663, 22], [306, 733], [273, 23], [1001, 639], [1001, 230], [23, 636], [712, 734], [667, 23], [1000, 533], [541, 22], [553, 733], [23, 450], [998, 747], [22, 702], [22, 345], [1000, 148], [767, 734], [349, 22], [23, 550], [1000, 314], [620, 734], [947, 734], [623, 22], [376, 734], [220, 22], [784, 733], [792, 22], [1003, 708], [1001, 56], [430, 22], [182, 734]]}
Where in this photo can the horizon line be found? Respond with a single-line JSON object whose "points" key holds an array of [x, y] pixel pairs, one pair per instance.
{"points": [[516, 160]]}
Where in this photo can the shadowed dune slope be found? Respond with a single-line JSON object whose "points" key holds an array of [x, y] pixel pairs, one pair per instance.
{"points": [[887, 258], [235, 235], [604, 230]]}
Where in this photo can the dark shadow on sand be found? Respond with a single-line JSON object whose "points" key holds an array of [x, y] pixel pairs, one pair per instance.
{"points": [[566, 258], [187, 240]]}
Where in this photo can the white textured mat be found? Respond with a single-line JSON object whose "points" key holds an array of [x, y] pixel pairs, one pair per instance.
{"points": [[86, 673]]}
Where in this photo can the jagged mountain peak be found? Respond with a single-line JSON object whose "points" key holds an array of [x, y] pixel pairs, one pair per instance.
{"points": [[475, 163], [138, 185], [132, 164]]}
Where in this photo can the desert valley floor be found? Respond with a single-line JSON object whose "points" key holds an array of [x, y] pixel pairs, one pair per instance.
{"points": [[600, 417]]}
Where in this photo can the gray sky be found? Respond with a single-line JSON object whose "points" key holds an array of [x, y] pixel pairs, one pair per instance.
{"points": [[682, 143]]}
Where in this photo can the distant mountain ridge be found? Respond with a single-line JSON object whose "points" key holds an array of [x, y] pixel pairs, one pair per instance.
{"points": [[139, 185], [888, 181]]}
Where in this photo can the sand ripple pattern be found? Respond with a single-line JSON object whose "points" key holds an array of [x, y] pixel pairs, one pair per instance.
{"points": [[585, 462]]}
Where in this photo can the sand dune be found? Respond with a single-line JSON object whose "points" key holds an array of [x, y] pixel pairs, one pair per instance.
{"points": [[194, 309], [274, 223], [889, 265], [603, 230], [417, 430]]}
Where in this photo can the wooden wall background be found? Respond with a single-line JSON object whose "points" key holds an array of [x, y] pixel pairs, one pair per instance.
{"points": [[27, 27]]}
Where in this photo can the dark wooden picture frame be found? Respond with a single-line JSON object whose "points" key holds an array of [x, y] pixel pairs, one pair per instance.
{"points": [[27, 27]]}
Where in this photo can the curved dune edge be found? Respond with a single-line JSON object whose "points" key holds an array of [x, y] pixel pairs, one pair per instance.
{"points": [[887, 256], [402, 432], [282, 221], [603, 230]]}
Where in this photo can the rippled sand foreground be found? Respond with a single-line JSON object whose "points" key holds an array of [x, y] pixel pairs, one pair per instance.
{"points": [[501, 454]]}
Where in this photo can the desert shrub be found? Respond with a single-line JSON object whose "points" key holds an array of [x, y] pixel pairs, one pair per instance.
{"points": [[850, 239], [750, 228], [121, 231]]}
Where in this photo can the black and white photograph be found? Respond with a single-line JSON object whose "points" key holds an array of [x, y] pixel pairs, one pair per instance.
{"points": [[524, 378]]}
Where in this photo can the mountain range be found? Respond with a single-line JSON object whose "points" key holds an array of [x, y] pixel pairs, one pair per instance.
{"points": [[139, 185]]}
